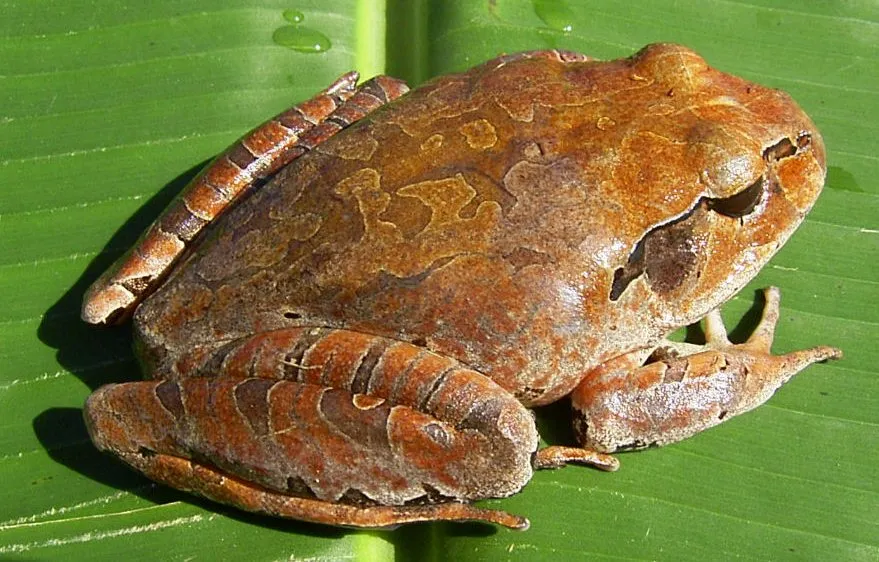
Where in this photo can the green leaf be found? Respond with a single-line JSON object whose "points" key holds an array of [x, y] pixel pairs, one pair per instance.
{"points": [[107, 109]]}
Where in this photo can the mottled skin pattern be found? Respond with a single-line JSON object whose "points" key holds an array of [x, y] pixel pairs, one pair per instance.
{"points": [[491, 240], [256, 156]]}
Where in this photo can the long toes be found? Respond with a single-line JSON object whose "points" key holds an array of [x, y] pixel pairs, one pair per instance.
{"points": [[715, 331], [764, 333], [799, 360], [557, 457]]}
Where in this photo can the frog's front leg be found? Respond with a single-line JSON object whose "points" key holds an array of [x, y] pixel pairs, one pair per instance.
{"points": [[261, 153], [623, 405], [329, 426]]}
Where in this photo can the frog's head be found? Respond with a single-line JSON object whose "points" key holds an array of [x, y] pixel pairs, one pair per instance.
{"points": [[754, 165]]}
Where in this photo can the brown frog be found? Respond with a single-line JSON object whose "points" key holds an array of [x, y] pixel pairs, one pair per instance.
{"points": [[390, 283]]}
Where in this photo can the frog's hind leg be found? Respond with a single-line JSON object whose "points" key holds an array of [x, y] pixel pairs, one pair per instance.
{"points": [[258, 155], [326, 425], [683, 388], [207, 481]]}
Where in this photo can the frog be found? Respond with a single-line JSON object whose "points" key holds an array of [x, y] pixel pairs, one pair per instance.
{"points": [[348, 317]]}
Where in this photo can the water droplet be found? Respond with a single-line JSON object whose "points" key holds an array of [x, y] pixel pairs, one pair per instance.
{"points": [[301, 39], [555, 14], [294, 16]]}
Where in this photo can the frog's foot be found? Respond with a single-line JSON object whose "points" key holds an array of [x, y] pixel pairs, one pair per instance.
{"points": [[683, 388], [557, 457], [326, 425], [261, 153]]}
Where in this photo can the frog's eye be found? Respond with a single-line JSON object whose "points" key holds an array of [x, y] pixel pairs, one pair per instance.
{"points": [[740, 204], [668, 252], [745, 201]]}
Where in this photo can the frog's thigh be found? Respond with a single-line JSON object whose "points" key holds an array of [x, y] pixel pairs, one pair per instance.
{"points": [[625, 405], [263, 151], [367, 431]]}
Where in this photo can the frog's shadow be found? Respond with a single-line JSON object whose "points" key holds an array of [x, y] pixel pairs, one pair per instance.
{"points": [[99, 356]]}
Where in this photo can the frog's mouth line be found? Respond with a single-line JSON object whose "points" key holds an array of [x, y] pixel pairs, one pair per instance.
{"points": [[667, 252]]}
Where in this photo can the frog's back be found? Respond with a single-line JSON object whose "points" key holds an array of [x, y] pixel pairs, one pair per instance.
{"points": [[480, 216]]}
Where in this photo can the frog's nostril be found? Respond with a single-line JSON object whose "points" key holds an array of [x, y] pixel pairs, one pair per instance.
{"points": [[785, 148], [804, 140]]}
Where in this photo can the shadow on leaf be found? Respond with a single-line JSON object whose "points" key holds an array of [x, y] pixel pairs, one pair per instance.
{"points": [[102, 355]]}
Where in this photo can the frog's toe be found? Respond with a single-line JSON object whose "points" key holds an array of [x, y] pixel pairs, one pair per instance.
{"points": [[557, 457]]}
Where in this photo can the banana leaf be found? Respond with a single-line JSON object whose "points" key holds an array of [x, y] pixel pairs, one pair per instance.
{"points": [[107, 109]]}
